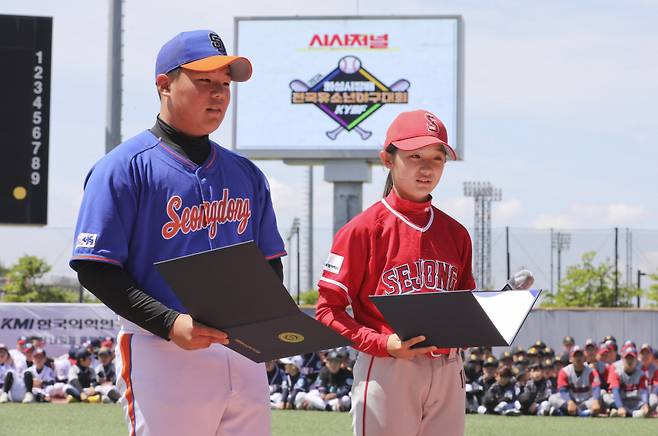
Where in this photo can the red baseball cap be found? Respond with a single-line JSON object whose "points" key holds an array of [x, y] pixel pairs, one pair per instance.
{"points": [[629, 351], [107, 344], [415, 129], [590, 343]]}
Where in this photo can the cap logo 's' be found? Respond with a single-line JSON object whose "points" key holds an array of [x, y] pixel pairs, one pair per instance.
{"points": [[216, 42], [432, 125]]}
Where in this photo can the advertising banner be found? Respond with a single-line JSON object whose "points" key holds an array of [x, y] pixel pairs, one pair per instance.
{"points": [[61, 325]]}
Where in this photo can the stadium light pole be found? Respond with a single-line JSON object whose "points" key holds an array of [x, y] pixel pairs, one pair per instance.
{"points": [[483, 194], [639, 286], [298, 264], [616, 266], [114, 77], [294, 231], [561, 241], [509, 272], [552, 250]]}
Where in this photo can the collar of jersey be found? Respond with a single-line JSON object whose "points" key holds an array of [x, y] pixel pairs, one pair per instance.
{"points": [[406, 210], [185, 162]]}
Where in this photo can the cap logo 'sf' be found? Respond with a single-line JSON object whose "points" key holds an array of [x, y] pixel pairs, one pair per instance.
{"points": [[432, 126], [216, 42]]}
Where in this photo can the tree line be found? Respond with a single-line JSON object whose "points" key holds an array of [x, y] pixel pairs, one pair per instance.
{"points": [[590, 284], [586, 284], [23, 282]]}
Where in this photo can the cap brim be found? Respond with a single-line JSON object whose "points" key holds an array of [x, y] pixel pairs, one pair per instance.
{"points": [[240, 67], [422, 141]]}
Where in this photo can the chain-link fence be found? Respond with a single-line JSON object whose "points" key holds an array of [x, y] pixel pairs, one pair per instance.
{"points": [[549, 252], [546, 252], [534, 249]]}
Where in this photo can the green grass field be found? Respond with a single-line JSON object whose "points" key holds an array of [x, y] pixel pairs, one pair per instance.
{"points": [[107, 420]]}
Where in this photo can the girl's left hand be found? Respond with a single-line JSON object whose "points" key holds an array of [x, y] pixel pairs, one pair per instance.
{"points": [[402, 349]]}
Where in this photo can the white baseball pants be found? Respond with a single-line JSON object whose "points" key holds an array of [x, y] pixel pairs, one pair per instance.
{"points": [[420, 397], [167, 391]]}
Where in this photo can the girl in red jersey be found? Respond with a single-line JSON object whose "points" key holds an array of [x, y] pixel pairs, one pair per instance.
{"points": [[401, 244]]}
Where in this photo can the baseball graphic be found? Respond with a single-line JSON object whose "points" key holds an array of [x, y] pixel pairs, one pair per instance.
{"points": [[349, 64]]}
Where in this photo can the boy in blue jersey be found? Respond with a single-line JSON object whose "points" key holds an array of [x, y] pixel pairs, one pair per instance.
{"points": [[165, 193]]}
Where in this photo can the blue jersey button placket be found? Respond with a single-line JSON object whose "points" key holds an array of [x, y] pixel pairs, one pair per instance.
{"points": [[206, 195]]}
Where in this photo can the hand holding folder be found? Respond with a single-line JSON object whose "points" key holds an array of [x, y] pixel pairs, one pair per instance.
{"points": [[458, 319], [192, 335], [234, 290]]}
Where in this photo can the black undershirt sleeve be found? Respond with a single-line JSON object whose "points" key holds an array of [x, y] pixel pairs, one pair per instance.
{"points": [[277, 266], [114, 287], [118, 291]]}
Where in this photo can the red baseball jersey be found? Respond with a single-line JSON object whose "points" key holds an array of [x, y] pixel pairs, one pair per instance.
{"points": [[602, 368], [579, 385], [630, 385], [396, 246], [651, 373]]}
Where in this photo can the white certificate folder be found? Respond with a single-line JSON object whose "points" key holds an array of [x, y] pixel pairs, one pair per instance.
{"points": [[458, 319]]}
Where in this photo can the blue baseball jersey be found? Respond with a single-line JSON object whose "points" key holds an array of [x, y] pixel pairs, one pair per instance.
{"points": [[144, 203]]}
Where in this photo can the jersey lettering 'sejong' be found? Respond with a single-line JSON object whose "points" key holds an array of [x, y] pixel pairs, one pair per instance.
{"points": [[428, 274]]}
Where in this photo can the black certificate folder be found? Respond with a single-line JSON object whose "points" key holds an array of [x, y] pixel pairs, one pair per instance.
{"points": [[234, 289], [458, 319]]}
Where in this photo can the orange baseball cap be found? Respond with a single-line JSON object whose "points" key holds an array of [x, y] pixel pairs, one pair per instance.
{"points": [[416, 129]]}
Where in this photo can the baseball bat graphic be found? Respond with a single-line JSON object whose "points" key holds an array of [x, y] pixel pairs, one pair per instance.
{"points": [[399, 86], [365, 134], [298, 86]]}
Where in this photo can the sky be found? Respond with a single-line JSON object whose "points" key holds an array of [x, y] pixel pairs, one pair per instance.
{"points": [[559, 97]]}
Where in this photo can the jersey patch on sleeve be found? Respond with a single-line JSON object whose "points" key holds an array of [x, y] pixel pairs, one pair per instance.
{"points": [[86, 240], [333, 263]]}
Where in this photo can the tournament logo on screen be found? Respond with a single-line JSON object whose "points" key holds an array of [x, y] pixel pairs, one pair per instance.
{"points": [[349, 95]]}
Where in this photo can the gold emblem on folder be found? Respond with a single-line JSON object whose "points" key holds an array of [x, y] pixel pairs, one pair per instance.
{"points": [[291, 337]]}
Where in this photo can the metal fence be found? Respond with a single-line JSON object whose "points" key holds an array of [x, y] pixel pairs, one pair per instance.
{"points": [[538, 250], [637, 249]]}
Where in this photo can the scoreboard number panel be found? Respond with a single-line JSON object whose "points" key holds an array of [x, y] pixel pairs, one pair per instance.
{"points": [[25, 66]]}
